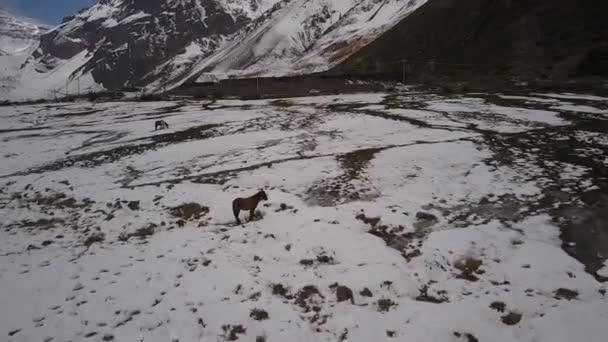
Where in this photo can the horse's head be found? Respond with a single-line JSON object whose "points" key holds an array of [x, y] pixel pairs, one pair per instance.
{"points": [[262, 195]]}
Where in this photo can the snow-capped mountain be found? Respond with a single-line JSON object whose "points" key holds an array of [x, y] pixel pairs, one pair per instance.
{"points": [[17, 34], [304, 36], [19, 37], [160, 44]]}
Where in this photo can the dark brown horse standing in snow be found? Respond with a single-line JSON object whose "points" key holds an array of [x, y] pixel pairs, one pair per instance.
{"points": [[249, 203], [161, 124]]}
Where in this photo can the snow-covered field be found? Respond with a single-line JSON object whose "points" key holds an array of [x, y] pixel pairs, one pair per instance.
{"points": [[406, 217]]}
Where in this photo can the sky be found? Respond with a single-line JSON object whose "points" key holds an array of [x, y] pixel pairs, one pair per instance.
{"points": [[46, 11]]}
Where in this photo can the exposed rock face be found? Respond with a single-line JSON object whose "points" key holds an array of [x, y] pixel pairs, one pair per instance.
{"points": [[536, 40], [127, 41], [159, 44]]}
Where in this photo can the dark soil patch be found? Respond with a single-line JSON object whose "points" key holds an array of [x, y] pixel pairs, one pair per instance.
{"points": [[354, 163], [372, 221], [366, 292], [305, 297], [307, 262], [467, 336], [512, 318], [94, 238], [384, 304], [330, 191], [325, 259], [141, 233], [283, 207], [189, 211], [259, 314], [396, 239], [280, 290], [41, 224], [231, 332], [425, 297], [344, 293], [469, 268], [60, 201], [567, 294], [133, 205], [498, 306], [425, 220], [193, 133]]}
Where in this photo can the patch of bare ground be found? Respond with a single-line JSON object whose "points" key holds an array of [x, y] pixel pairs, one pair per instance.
{"points": [[232, 332], [366, 292], [321, 259], [189, 211], [58, 200], [40, 224], [280, 290], [498, 306], [469, 268], [94, 238], [259, 314], [512, 318], [551, 150], [385, 304], [340, 189], [563, 293], [140, 233], [408, 244], [309, 298], [343, 293], [59, 209], [424, 296], [467, 337]]}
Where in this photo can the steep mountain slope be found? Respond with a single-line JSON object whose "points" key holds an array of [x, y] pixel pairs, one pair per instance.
{"points": [[160, 44], [307, 36], [118, 43], [18, 38], [535, 39]]}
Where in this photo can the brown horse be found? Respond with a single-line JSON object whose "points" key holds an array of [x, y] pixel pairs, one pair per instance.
{"points": [[160, 124], [249, 203]]}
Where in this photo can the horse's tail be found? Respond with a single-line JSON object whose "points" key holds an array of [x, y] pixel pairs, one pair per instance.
{"points": [[236, 209]]}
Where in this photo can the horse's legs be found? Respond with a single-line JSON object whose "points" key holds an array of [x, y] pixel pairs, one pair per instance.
{"points": [[251, 214]]}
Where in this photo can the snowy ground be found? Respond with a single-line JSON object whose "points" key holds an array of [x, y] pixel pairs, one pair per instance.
{"points": [[406, 217]]}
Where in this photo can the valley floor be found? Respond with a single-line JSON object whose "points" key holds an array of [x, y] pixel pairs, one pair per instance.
{"points": [[406, 216]]}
